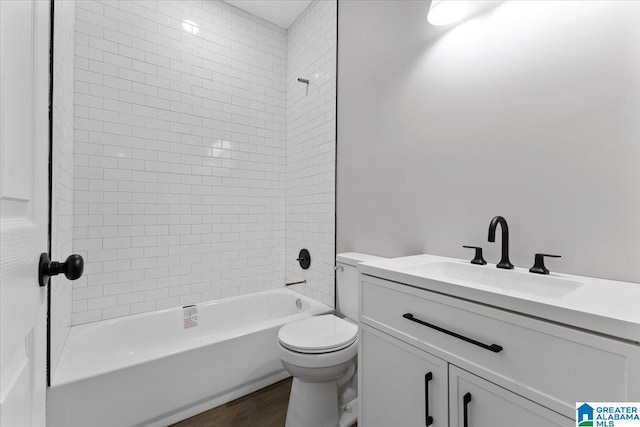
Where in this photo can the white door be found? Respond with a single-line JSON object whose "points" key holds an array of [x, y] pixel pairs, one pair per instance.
{"points": [[475, 402], [24, 199], [400, 385]]}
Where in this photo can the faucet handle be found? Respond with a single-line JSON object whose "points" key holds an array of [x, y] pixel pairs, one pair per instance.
{"points": [[477, 259], [538, 265]]}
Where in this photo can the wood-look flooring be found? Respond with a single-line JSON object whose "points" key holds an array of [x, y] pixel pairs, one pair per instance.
{"points": [[263, 408]]}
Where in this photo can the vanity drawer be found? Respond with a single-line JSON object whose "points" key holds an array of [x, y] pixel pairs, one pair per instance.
{"points": [[551, 364]]}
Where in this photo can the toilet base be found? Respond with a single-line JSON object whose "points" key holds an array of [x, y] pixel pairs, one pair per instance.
{"points": [[313, 404], [349, 414]]}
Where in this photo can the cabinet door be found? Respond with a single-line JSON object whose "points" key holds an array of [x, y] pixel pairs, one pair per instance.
{"points": [[399, 384], [475, 402]]}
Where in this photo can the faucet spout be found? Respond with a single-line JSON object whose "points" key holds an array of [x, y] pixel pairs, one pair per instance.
{"points": [[504, 260]]}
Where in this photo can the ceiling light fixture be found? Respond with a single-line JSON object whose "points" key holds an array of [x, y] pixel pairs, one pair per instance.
{"points": [[445, 12]]}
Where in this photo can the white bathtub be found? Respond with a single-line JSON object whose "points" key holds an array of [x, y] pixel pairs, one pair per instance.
{"points": [[150, 370]]}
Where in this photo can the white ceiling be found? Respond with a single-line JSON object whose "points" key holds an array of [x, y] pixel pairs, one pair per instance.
{"points": [[280, 12]]}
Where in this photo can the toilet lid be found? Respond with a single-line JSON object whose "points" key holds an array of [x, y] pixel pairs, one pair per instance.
{"points": [[318, 334]]}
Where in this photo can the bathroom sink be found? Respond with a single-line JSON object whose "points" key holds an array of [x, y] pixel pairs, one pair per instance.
{"points": [[491, 277]]}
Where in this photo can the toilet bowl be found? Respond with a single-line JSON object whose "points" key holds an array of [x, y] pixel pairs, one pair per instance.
{"points": [[320, 353]]}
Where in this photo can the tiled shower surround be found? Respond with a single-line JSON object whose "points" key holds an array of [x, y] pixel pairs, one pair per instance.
{"points": [[180, 154], [62, 185], [311, 149]]}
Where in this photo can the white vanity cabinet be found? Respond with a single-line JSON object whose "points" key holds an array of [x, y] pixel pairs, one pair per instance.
{"points": [[403, 386], [519, 370]]}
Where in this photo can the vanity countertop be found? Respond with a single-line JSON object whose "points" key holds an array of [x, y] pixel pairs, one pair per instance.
{"points": [[604, 306]]}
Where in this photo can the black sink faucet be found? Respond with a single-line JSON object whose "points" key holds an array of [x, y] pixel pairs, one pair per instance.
{"points": [[504, 261]]}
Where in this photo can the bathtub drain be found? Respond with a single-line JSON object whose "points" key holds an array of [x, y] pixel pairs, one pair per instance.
{"points": [[299, 303]]}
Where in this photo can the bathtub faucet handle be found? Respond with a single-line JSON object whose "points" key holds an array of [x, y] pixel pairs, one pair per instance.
{"points": [[304, 258]]}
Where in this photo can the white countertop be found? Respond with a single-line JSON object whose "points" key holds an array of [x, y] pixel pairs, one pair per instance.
{"points": [[605, 306]]}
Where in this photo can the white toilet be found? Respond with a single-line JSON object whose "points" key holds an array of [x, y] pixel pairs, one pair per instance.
{"points": [[320, 353]]}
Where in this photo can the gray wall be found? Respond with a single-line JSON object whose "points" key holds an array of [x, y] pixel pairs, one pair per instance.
{"points": [[530, 110]]}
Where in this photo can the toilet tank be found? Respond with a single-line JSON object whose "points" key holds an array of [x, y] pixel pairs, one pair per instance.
{"points": [[347, 282]]}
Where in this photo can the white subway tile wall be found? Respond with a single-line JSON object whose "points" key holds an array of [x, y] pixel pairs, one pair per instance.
{"points": [[311, 149], [180, 155], [62, 182]]}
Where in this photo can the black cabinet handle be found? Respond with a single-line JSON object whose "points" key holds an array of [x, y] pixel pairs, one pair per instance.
{"points": [[465, 408], [429, 419], [493, 347]]}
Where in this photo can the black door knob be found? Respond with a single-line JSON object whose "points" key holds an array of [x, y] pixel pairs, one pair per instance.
{"points": [[72, 268]]}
